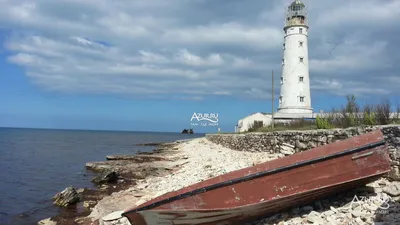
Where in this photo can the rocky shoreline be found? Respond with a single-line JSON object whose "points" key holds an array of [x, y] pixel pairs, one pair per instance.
{"points": [[176, 165], [126, 171]]}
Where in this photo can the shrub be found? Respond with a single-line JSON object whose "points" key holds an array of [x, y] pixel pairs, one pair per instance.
{"points": [[323, 123], [369, 115], [383, 112]]}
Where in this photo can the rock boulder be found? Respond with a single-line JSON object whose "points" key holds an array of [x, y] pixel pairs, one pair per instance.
{"points": [[67, 197], [106, 177]]}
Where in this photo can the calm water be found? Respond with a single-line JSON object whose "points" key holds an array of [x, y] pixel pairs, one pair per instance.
{"points": [[36, 164]]}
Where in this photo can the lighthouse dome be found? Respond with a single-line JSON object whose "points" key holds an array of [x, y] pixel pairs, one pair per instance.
{"points": [[297, 5]]}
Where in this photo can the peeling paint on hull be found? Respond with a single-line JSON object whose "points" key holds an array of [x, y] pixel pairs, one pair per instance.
{"points": [[236, 202]]}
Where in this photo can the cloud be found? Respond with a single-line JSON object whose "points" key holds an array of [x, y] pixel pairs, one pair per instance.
{"points": [[259, 38], [362, 88], [198, 49], [370, 13], [353, 55]]}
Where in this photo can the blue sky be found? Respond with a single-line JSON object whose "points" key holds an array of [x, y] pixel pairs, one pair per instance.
{"points": [[148, 65]]}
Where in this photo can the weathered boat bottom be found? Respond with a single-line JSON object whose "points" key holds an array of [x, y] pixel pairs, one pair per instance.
{"points": [[243, 214]]}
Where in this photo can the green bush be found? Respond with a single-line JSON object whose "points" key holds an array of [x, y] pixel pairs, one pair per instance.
{"points": [[323, 123], [369, 118]]}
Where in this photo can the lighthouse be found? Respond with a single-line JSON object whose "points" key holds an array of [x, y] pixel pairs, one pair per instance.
{"points": [[295, 96]]}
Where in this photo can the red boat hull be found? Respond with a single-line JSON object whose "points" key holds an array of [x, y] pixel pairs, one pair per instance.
{"points": [[272, 186]]}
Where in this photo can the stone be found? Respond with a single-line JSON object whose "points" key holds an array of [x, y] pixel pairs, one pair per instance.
{"points": [[314, 217], [371, 207], [297, 220], [80, 190], [306, 209], [274, 217], [312, 144], [356, 212], [323, 139], [106, 177], [330, 138], [340, 215], [286, 151], [393, 189], [358, 220], [89, 204], [67, 197], [329, 213], [346, 208], [330, 218], [295, 210], [113, 216], [47, 221], [283, 215], [333, 209], [318, 205], [136, 158], [288, 145], [300, 145], [395, 173], [395, 163]]}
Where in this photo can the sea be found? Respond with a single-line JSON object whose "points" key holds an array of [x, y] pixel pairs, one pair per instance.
{"points": [[35, 164]]}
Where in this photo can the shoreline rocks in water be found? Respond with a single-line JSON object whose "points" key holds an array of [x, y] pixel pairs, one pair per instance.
{"points": [[149, 144], [199, 159], [106, 177], [67, 197], [119, 173], [47, 221], [136, 158]]}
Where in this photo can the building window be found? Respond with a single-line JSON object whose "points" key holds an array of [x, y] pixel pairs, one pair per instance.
{"points": [[301, 99], [281, 80], [301, 30], [280, 100], [301, 44], [283, 62], [284, 47], [301, 59], [301, 79]]}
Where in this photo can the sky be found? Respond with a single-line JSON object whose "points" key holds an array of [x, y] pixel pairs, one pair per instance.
{"points": [[149, 65]]}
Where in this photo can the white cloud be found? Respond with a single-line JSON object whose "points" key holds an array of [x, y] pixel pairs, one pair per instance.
{"points": [[370, 12], [352, 55], [185, 57], [191, 48], [361, 88], [256, 37]]}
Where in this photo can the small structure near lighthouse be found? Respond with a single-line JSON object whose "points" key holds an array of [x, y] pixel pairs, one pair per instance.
{"points": [[295, 96]]}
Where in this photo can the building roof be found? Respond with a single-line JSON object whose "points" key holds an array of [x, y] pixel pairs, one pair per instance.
{"points": [[261, 113]]}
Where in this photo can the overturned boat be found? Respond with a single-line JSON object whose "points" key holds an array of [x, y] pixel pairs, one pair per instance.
{"points": [[253, 192]]}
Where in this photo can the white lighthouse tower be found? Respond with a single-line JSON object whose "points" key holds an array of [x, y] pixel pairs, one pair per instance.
{"points": [[295, 97]]}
